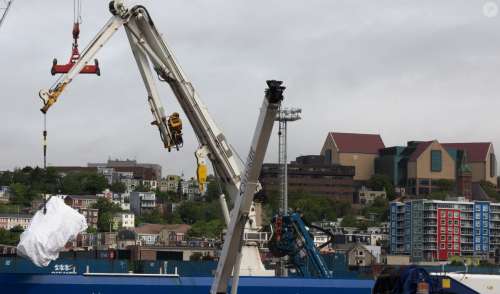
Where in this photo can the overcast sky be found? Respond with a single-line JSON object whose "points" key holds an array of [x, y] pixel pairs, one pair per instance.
{"points": [[408, 70]]}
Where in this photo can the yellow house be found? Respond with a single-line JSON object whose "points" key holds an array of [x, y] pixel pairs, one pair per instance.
{"points": [[350, 149], [429, 162], [481, 158]]}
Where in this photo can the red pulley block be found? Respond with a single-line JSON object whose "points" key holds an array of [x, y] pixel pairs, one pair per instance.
{"points": [[75, 56]]}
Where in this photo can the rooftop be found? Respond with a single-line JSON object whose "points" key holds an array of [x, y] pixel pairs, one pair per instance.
{"points": [[421, 147], [157, 228], [15, 215], [90, 197], [476, 152], [357, 143]]}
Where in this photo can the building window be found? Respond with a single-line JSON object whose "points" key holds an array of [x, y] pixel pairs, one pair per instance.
{"points": [[493, 165], [328, 155], [436, 161]]}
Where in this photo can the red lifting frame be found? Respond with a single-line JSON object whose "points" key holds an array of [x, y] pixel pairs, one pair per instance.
{"points": [[75, 55]]}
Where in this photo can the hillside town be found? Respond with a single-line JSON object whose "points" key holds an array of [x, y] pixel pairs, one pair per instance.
{"points": [[427, 202]]}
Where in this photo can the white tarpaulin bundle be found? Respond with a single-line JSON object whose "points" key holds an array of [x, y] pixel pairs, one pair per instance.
{"points": [[48, 233]]}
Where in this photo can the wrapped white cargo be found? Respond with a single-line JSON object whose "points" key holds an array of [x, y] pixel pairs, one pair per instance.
{"points": [[48, 233]]}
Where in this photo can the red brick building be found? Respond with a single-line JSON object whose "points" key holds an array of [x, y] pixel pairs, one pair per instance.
{"points": [[312, 176]]}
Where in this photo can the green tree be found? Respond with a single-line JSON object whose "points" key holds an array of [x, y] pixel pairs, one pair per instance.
{"points": [[105, 222], [210, 229], [212, 191], [154, 217], [317, 208], [20, 194], [118, 187], [6, 178], [17, 229], [166, 196], [379, 182], [349, 221], [490, 190], [80, 183], [10, 237], [107, 210], [141, 188], [378, 209], [444, 185]]}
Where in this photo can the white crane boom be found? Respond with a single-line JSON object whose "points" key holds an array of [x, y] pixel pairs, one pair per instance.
{"points": [[4, 9], [149, 49]]}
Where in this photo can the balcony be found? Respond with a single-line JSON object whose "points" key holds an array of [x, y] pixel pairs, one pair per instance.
{"points": [[466, 224], [148, 204]]}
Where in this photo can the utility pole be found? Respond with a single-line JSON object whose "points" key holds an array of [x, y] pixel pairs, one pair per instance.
{"points": [[283, 116]]}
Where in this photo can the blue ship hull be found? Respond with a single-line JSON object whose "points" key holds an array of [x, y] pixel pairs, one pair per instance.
{"points": [[80, 284]]}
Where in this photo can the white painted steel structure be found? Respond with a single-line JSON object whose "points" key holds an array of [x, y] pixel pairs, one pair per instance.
{"points": [[150, 50]]}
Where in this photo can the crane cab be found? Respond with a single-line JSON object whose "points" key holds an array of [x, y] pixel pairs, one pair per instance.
{"points": [[175, 127]]}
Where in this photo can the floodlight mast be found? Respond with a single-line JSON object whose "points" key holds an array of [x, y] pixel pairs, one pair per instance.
{"points": [[284, 116]]}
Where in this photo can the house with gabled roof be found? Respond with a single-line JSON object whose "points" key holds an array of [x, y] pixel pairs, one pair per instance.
{"points": [[420, 163], [428, 162], [481, 158], [353, 149]]}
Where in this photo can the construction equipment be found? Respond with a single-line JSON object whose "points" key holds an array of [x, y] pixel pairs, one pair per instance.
{"points": [[291, 237], [75, 54], [149, 49], [4, 9], [416, 280]]}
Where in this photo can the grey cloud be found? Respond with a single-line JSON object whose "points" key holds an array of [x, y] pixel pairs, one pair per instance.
{"points": [[404, 69]]}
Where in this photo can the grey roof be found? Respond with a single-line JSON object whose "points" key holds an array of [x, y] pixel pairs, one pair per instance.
{"points": [[16, 215], [93, 197]]}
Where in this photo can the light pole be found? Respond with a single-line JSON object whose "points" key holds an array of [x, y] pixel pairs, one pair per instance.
{"points": [[283, 116]]}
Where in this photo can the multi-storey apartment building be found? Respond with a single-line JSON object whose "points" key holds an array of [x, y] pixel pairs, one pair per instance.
{"points": [[436, 230], [91, 215], [142, 202], [123, 220], [8, 221], [170, 184], [81, 201]]}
